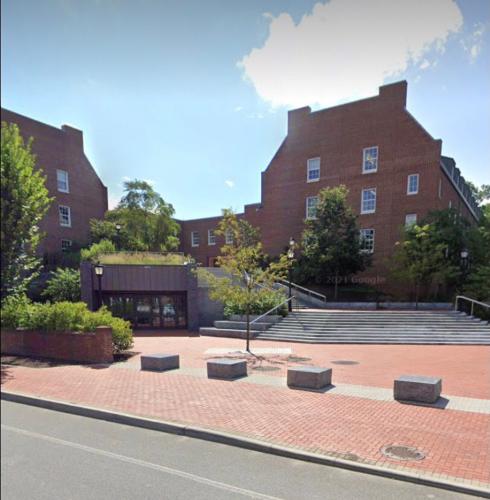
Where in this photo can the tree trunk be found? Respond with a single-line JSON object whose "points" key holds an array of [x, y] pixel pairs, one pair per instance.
{"points": [[336, 288], [248, 328], [416, 296]]}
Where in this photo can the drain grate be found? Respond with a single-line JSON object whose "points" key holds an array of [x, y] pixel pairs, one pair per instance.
{"points": [[298, 359], [399, 452], [266, 368], [345, 362]]}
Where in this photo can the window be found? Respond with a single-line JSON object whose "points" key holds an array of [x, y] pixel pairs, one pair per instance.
{"points": [[450, 205], [313, 170], [65, 216], [311, 204], [439, 192], [65, 245], [211, 237], [367, 240], [370, 160], [413, 184], [368, 201], [410, 220], [195, 240], [62, 178], [229, 237]]}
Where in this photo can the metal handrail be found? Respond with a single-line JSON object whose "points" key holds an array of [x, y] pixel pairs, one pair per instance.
{"points": [[273, 309], [473, 302], [307, 290]]}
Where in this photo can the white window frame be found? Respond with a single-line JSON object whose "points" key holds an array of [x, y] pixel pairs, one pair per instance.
{"points": [[66, 180], [369, 211], [228, 237], [410, 220], [195, 236], [370, 170], [60, 216], [417, 176], [211, 237], [308, 216], [310, 168], [363, 239], [69, 243]]}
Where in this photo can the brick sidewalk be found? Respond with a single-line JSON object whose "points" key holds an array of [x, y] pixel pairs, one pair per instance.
{"points": [[456, 443]]}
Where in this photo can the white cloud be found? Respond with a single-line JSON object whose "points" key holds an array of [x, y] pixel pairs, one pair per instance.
{"points": [[112, 201], [230, 183], [472, 44], [238, 109], [151, 182], [425, 64], [345, 49]]}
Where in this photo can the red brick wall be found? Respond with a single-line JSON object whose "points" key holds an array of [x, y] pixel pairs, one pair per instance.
{"points": [[63, 149], [338, 135], [92, 347]]}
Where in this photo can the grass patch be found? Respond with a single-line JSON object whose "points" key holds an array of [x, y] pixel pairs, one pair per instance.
{"points": [[144, 258]]}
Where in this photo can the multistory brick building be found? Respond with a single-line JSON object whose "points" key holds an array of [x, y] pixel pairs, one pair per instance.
{"points": [[79, 194], [391, 165]]}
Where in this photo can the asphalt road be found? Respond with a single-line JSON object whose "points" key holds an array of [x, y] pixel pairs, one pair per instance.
{"points": [[52, 455]]}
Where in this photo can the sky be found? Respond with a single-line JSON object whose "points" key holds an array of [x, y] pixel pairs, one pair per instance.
{"points": [[193, 96]]}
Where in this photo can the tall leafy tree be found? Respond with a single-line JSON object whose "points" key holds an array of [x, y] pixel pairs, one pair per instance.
{"points": [[141, 221], [24, 203], [331, 244]]}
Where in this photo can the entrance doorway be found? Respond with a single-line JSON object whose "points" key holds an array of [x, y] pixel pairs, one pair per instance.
{"points": [[159, 310]]}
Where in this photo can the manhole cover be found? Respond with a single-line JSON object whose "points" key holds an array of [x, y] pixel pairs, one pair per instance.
{"points": [[298, 359], [399, 452], [345, 362]]}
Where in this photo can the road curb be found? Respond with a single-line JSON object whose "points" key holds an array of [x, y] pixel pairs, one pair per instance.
{"points": [[238, 441]]}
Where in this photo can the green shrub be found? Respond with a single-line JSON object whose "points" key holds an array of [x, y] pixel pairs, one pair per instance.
{"points": [[262, 301], [64, 284], [93, 252], [65, 316]]}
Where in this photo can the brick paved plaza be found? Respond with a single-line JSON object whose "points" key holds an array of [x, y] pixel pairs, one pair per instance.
{"points": [[352, 420]]}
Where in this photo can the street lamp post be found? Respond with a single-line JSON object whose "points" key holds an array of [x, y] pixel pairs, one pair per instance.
{"points": [[99, 272], [290, 256], [118, 236]]}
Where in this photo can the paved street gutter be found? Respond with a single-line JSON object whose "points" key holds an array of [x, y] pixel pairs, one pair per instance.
{"points": [[239, 441]]}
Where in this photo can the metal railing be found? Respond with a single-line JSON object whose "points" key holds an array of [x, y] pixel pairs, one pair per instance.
{"points": [[272, 310], [285, 283], [472, 301]]}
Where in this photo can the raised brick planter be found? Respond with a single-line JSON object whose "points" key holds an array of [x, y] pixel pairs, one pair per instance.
{"points": [[227, 369], [80, 347], [417, 388], [160, 362], [309, 377]]}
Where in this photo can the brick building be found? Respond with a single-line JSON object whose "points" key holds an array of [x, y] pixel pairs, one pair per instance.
{"points": [[78, 192], [391, 165]]}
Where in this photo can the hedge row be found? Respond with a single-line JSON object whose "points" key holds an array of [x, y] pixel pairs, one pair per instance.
{"points": [[20, 312]]}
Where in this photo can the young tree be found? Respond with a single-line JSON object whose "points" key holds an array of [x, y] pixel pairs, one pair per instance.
{"points": [[421, 258], [141, 221], [24, 203], [244, 261], [331, 243]]}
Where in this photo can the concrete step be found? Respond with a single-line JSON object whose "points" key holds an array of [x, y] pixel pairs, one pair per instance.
{"points": [[240, 325], [341, 340]]}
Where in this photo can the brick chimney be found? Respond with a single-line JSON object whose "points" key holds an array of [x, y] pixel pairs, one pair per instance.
{"points": [[297, 118], [395, 92], [73, 135]]}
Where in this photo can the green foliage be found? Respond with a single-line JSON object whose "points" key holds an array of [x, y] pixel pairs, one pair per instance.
{"points": [[145, 219], [247, 267], [478, 283], [94, 252], [145, 258], [261, 302], [331, 244], [65, 316], [481, 194], [24, 202], [421, 259], [64, 284]]}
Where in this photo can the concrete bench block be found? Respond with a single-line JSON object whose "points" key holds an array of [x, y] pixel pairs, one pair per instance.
{"points": [[309, 377], [240, 325], [417, 388], [227, 369], [160, 362]]}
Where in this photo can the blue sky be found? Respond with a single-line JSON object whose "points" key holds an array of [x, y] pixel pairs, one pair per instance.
{"points": [[194, 95]]}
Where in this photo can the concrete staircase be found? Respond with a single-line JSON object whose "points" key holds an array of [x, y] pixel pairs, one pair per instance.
{"points": [[318, 326]]}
